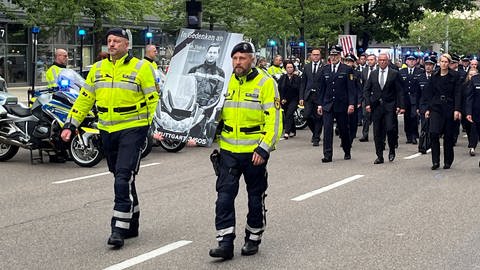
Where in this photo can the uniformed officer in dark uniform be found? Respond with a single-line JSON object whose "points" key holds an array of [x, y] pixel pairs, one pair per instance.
{"points": [[444, 96], [336, 101], [468, 126], [423, 81], [411, 93], [472, 103], [350, 60], [465, 63], [454, 65]]}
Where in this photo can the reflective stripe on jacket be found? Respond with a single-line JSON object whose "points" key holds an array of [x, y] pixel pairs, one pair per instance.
{"points": [[125, 93], [251, 115], [51, 76]]}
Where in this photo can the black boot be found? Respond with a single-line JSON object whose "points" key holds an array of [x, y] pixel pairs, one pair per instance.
{"points": [[116, 240], [250, 248], [225, 252]]}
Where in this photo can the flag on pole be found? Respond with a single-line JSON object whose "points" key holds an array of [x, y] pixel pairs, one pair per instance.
{"points": [[348, 43]]}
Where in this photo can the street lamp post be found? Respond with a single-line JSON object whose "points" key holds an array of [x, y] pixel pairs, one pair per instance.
{"points": [[35, 31], [272, 44], [81, 33]]}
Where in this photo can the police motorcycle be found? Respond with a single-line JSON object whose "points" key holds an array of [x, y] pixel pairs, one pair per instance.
{"points": [[39, 127], [178, 113]]}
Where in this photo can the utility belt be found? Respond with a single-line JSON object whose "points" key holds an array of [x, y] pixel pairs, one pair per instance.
{"points": [[122, 109], [242, 129]]}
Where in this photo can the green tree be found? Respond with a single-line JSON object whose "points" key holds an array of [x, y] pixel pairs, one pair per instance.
{"points": [[463, 34], [55, 13], [388, 20]]}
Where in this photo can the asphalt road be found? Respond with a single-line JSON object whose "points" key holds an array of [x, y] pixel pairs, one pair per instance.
{"points": [[397, 215]]}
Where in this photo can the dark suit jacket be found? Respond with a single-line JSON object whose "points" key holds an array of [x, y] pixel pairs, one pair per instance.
{"points": [[289, 88], [444, 93], [337, 90], [472, 103], [364, 79], [411, 86], [390, 97], [309, 80]]}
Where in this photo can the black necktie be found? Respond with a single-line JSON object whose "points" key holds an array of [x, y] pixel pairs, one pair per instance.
{"points": [[314, 68]]}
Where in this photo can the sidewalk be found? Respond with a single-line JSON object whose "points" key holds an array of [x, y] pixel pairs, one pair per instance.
{"points": [[21, 92]]}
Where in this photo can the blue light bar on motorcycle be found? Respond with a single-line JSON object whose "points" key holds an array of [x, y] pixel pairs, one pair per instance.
{"points": [[64, 83]]}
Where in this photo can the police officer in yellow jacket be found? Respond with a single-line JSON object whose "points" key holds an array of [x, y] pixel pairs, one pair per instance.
{"points": [[276, 69], [124, 90], [252, 125], [60, 62]]}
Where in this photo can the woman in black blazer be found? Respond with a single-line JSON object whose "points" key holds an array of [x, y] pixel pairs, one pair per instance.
{"points": [[444, 98], [289, 88]]}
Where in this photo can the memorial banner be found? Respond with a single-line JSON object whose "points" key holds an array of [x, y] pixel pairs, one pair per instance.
{"points": [[197, 79]]}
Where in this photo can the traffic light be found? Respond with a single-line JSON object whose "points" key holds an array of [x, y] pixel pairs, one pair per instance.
{"points": [[301, 44], [82, 32], [194, 12], [148, 35], [272, 43]]}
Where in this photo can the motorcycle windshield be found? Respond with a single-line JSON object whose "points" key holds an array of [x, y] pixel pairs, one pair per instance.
{"points": [[69, 80]]}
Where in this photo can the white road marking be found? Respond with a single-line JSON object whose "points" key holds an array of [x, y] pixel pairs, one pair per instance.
{"points": [[327, 188], [417, 155], [96, 175], [147, 256]]}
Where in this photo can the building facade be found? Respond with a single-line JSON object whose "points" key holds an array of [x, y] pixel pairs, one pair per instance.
{"points": [[17, 49]]}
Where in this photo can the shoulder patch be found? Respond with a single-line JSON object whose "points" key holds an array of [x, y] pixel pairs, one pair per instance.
{"points": [[277, 103]]}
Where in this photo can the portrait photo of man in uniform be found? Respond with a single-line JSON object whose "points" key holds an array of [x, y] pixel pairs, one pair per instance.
{"points": [[210, 81]]}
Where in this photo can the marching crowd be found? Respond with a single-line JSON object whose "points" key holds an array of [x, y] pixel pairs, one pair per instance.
{"points": [[437, 95]]}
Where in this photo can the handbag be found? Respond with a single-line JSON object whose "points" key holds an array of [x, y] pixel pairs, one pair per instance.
{"points": [[424, 142]]}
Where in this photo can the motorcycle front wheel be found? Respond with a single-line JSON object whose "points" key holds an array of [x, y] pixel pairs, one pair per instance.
{"points": [[172, 146], [147, 147], [7, 151], [299, 117], [85, 156]]}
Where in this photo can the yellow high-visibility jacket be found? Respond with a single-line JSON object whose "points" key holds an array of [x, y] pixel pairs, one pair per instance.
{"points": [[125, 93], [274, 70], [251, 114], [52, 74]]}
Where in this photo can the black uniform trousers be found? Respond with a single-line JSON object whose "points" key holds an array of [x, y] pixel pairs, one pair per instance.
{"points": [[288, 121], [123, 152], [342, 124], [441, 122], [353, 124], [232, 166], [410, 120], [471, 131], [476, 130], [366, 121], [314, 120], [384, 126]]}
